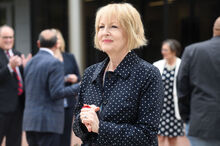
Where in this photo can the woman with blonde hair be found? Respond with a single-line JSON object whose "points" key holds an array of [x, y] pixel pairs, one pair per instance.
{"points": [[120, 99], [72, 76]]}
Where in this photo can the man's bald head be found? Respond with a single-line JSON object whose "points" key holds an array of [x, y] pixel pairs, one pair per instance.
{"points": [[6, 37], [216, 27], [6, 28], [48, 38]]}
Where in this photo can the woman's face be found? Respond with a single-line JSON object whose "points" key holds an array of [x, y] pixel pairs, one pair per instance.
{"points": [[58, 41], [166, 51], [111, 36]]}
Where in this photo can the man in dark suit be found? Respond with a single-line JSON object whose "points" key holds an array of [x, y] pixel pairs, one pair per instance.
{"points": [[44, 79], [198, 87], [11, 89]]}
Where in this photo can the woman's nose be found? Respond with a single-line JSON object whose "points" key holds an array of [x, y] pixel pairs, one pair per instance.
{"points": [[106, 31]]}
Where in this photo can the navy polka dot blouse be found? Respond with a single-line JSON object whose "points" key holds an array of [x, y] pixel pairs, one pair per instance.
{"points": [[130, 99]]}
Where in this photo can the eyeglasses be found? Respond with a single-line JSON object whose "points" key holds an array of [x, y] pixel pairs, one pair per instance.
{"points": [[7, 37]]}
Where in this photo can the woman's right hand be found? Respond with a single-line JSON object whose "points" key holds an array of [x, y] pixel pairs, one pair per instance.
{"points": [[89, 117]]}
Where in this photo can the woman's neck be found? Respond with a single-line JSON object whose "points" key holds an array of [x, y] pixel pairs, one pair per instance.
{"points": [[171, 61], [115, 60]]}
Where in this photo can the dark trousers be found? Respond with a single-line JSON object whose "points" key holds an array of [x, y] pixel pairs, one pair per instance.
{"points": [[42, 138], [10, 127], [66, 136]]}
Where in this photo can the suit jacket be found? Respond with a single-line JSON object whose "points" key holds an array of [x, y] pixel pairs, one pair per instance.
{"points": [[160, 64], [44, 80], [130, 102], [9, 100], [199, 88], [70, 67]]}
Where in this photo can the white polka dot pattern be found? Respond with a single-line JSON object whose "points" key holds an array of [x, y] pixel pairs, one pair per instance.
{"points": [[169, 125], [131, 103]]}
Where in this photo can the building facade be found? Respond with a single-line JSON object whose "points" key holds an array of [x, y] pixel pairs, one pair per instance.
{"points": [[188, 21]]}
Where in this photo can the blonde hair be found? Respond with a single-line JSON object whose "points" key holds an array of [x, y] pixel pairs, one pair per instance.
{"points": [[62, 46], [129, 19]]}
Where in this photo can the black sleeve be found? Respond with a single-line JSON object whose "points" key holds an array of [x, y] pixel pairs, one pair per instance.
{"points": [[183, 85]]}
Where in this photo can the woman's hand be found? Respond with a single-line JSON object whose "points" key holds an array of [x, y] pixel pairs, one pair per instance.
{"points": [[89, 117], [72, 78]]}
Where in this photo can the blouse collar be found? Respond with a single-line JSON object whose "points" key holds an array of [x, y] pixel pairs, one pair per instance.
{"points": [[123, 69]]}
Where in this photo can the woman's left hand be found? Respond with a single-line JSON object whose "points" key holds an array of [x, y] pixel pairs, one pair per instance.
{"points": [[72, 78], [89, 118]]}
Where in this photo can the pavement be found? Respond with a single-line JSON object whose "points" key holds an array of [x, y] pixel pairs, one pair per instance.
{"points": [[182, 141], [75, 140]]}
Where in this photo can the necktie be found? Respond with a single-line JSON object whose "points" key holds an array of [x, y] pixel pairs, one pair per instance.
{"points": [[20, 86]]}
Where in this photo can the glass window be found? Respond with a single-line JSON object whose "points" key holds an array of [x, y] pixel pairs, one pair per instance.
{"points": [[186, 21], [6, 1], [6, 13], [2, 16]]}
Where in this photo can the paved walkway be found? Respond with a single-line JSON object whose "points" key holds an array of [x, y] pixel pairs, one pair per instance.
{"points": [[75, 141]]}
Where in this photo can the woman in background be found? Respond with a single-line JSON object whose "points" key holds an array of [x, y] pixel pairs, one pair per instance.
{"points": [[171, 125], [72, 76]]}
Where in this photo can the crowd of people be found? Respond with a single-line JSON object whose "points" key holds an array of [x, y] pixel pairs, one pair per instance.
{"points": [[121, 101]]}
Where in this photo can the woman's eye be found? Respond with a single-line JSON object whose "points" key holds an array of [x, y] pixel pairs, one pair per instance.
{"points": [[114, 26], [101, 26]]}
